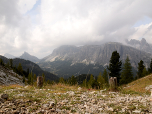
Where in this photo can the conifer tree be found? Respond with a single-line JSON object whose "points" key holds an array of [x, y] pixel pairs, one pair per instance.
{"points": [[73, 80], [84, 83], [32, 81], [100, 81], [145, 72], [91, 81], [34, 77], [140, 69], [11, 63], [61, 80], [126, 74], [29, 78], [150, 68], [115, 65], [43, 78], [1, 62], [20, 69], [23, 79], [105, 76], [7, 64]]}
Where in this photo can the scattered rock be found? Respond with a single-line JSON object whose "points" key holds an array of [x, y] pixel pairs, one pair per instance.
{"points": [[4, 96], [79, 88], [2, 100]]}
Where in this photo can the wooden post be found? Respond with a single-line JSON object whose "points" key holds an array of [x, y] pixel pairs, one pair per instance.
{"points": [[39, 81], [113, 83]]}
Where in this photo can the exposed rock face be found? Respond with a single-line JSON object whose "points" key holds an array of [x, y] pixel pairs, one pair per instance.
{"points": [[98, 54], [141, 45], [8, 77], [26, 64], [29, 57]]}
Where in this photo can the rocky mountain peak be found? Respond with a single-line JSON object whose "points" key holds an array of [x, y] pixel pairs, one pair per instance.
{"points": [[7, 55], [143, 41], [29, 57], [140, 45]]}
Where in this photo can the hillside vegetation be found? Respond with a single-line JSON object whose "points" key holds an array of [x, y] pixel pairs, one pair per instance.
{"points": [[141, 85]]}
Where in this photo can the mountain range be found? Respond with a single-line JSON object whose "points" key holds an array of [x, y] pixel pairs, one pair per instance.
{"points": [[68, 60], [33, 67], [140, 45], [25, 56]]}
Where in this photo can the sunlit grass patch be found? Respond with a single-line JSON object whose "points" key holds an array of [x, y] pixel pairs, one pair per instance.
{"points": [[138, 86]]}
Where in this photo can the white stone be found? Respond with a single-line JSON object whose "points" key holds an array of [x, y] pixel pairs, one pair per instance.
{"points": [[79, 88], [136, 111]]}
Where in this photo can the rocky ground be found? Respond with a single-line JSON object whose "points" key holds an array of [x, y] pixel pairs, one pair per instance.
{"points": [[8, 76], [31, 100]]}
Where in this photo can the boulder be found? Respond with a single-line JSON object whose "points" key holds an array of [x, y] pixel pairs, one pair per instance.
{"points": [[4, 96]]}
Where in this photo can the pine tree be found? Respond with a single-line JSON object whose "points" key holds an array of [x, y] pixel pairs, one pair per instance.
{"points": [[23, 79], [61, 80], [105, 76], [150, 68], [34, 77], [140, 69], [43, 78], [100, 81], [7, 64], [115, 66], [126, 74], [29, 78], [32, 80], [20, 69], [84, 83], [1, 62], [73, 80], [91, 81], [11, 63], [145, 72]]}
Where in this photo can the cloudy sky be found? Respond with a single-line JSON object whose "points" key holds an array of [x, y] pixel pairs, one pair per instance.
{"points": [[39, 26]]}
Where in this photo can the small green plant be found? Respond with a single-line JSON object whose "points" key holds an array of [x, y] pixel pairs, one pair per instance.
{"points": [[73, 111], [132, 107]]}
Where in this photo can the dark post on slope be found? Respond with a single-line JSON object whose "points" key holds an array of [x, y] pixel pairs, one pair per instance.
{"points": [[39, 81], [113, 83]]}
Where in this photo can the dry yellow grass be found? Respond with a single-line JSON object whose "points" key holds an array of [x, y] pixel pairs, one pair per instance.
{"points": [[140, 84]]}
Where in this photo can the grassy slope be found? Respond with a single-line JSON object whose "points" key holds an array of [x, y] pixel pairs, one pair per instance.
{"points": [[140, 84]]}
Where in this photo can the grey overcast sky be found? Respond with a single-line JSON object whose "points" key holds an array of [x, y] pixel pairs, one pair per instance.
{"points": [[39, 26]]}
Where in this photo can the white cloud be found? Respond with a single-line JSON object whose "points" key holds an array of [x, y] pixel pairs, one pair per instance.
{"points": [[75, 22]]}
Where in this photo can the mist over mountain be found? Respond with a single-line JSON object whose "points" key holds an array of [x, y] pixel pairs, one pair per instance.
{"points": [[67, 58], [25, 56], [9, 56], [29, 57], [141, 45]]}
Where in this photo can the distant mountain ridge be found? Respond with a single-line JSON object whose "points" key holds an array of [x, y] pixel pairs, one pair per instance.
{"points": [[34, 68], [97, 54], [29, 57], [140, 45], [8, 77], [70, 60], [9, 56], [25, 56]]}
